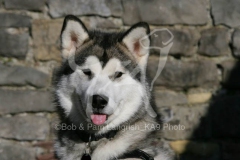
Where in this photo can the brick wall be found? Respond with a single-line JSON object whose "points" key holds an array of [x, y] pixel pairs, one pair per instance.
{"points": [[198, 88]]}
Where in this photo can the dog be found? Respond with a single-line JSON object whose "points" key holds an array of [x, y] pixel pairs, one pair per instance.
{"points": [[102, 96]]}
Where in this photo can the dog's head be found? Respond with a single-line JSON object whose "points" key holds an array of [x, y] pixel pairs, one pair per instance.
{"points": [[102, 77]]}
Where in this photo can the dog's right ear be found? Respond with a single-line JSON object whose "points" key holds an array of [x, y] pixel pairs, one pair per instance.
{"points": [[73, 35]]}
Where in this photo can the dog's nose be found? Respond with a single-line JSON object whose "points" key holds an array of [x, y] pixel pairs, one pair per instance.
{"points": [[99, 102]]}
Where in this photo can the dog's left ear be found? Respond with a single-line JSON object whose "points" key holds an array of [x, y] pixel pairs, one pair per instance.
{"points": [[137, 40], [73, 35]]}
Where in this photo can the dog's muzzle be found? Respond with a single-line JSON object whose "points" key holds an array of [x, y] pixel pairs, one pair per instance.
{"points": [[98, 104]]}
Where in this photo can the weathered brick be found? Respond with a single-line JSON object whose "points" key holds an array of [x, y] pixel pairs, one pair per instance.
{"points": [[193, 147], [226, 12], [25, 101], [236, 43], [60, 8], [214, 42], [179, 74], [47, 156], [14, 20], [199, 97], [186, 122], [36, 5], [165, 12], [28, 127], [48, 145], [184, 41], [101, 23], [15, 151], [169, 98], [14, 43], [20, 76], [46, 38], [115, 7]]}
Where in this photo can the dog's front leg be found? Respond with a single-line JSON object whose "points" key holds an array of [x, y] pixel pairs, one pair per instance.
{"points": [[111, 149]]}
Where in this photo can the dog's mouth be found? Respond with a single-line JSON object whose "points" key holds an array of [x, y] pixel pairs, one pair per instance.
{"points": [[98, 119]]}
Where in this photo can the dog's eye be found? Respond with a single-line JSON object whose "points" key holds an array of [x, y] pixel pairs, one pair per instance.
{"points": [[87, 72], [118, 74]]}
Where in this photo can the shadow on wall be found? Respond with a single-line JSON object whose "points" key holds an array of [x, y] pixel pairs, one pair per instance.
{"points": [[218, 135]]}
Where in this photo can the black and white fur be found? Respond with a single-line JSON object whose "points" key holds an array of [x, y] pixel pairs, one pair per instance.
{"points": [[99, 56]]}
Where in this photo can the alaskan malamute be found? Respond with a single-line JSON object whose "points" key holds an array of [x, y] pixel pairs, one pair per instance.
{"points": [[105, 107]]}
